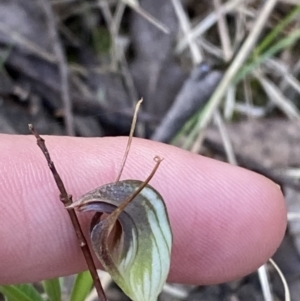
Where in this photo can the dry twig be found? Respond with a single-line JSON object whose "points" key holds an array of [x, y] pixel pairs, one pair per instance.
{"points": [[66, 199]]}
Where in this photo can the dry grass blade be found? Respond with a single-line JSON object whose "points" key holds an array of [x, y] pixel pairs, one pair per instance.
{"points": [[223, 32], [293, 172], [230, 102], [236, 64], [206, 24], [247, 92], [196, 147], [277, 97], [229, 152], [175, 292], [293, 216], [210, 48], [250, 110], [225, 138], [197, 58], [283, 71], [285, 285], [129, 139], [265, 284], [118, 16], [185, 26], [136, 7]]}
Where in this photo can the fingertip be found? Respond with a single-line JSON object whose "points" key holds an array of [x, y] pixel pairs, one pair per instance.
{"points": [[233, 231]]}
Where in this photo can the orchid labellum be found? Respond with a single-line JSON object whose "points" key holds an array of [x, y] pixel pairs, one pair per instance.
{"points": [[136, 248]]}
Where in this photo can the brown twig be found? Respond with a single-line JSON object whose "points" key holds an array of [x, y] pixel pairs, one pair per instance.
{"points": [[67, 200], [62, 65]]}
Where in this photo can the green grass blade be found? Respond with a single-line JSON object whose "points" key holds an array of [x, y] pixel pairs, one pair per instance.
{"points": [[235, 66], [21, 292], [277, 30], [52, 289], [82, 286], [190, 138], [282, 44]]}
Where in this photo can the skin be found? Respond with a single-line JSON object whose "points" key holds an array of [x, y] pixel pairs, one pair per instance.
{"points": [[226, 221]]}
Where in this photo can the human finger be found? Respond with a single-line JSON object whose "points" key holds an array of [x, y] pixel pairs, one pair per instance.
{"points": [[226, 221]]}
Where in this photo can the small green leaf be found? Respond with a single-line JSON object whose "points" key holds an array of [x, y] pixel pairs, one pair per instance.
{"points": [[82, 286], [137, 253], [52, 289], [21, 292]]}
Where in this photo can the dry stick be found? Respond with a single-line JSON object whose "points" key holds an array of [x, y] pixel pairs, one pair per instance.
{"points": [[129, 139], [62, 65], [66, 199]]}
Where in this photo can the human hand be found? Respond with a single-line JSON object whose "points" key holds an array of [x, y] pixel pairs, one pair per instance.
{"points": [[226, 221]]}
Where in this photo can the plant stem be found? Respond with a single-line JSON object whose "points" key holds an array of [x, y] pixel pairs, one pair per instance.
{"points": [[66, 199]]}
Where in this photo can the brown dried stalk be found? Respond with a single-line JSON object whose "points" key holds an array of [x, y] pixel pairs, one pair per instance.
{"points": [[133, 124], [66, 199]]}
